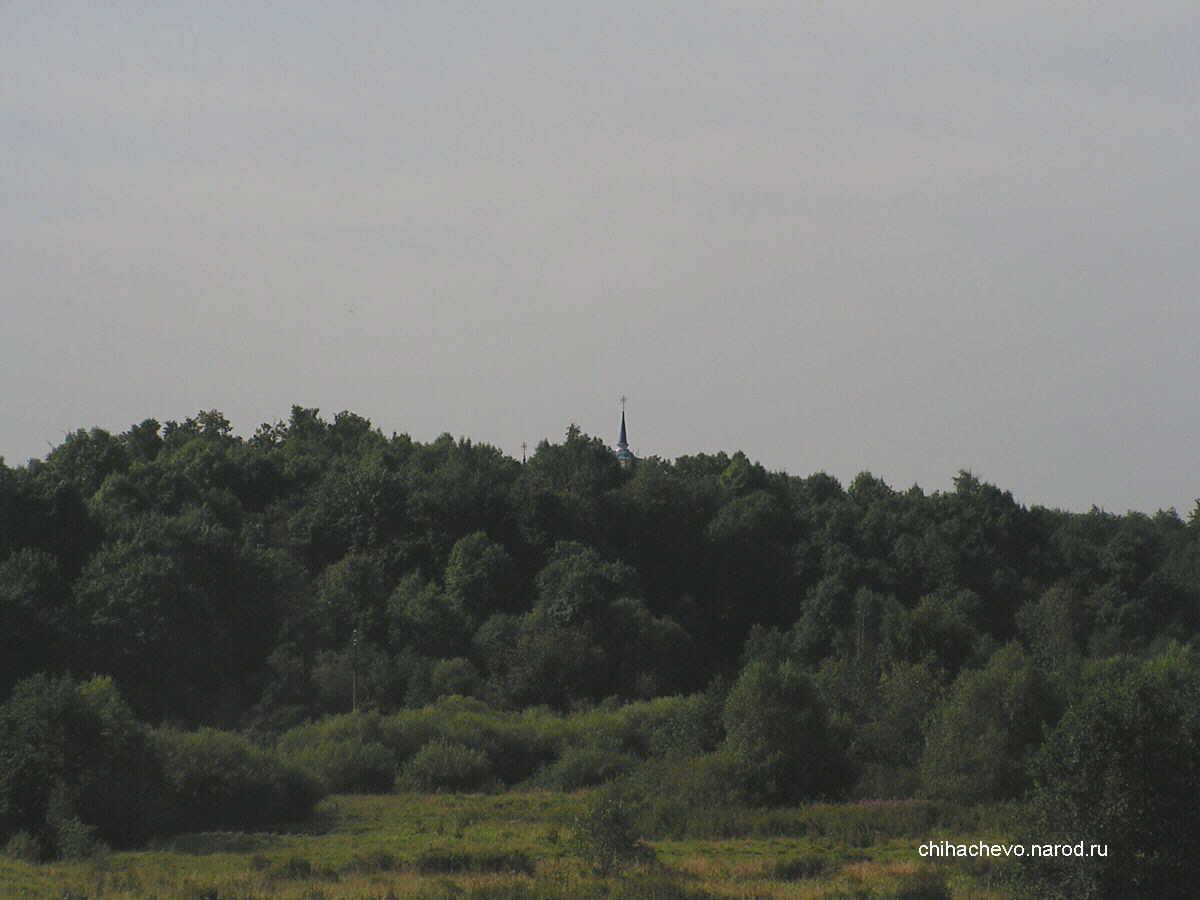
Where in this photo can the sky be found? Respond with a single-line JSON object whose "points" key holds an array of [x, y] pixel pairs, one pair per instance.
{"points": [[840, 236]]}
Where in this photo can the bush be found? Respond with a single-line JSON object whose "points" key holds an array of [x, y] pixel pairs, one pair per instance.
{"points": [[346, 767], [518, 744], [445, 766], [296, 867], [27, 848], [581, 767], [680, 795], [603, 836], [219, 781], [75, 840]]}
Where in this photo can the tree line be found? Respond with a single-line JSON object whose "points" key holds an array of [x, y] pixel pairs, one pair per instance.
{"points": [[318, 564]]}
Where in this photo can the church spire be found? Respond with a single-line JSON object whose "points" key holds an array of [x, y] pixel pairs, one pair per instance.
{"points": [[624, 455]]}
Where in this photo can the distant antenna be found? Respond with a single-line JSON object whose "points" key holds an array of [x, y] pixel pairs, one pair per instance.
{"points": [[524, 446]]}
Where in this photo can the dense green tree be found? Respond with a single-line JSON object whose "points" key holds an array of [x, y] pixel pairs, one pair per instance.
{"points": [[777, 734], [35, 609], [1122, 769], [577, 586], [479, 576], [71, 752], [554, 665], [980, 739], [352, 597], [424, 617]]}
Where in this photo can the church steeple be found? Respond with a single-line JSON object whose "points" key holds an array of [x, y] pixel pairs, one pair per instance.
{"points": [[624, 455]]}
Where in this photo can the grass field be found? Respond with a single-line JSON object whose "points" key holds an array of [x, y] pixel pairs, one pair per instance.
{"points": [[518, 845]]}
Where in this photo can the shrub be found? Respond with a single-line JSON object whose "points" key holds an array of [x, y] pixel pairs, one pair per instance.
{"points": [[27, 848], [517, 744], [346, 767], [445, 766], [581, 767], [217, 780], [693, 725], [679, 794], [296, 867], [75, 840], [603, 836]]}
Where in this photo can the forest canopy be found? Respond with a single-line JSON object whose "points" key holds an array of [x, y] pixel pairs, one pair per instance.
{"points": [[319, 565]]}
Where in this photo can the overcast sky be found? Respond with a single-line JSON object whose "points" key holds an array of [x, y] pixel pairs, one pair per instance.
{"points": [[909, 238]]}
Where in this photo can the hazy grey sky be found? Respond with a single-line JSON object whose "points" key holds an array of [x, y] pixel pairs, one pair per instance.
{"points": [[904, 237]]}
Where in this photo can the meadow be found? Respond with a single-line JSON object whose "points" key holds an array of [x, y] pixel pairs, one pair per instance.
{"points": [[522, 844]]}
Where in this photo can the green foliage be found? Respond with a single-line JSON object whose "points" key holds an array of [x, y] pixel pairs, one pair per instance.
{"points": [[34, 614], [359, 673], [352, 596], [455, 676], [478, 575], [445, 766], [580, 767], [346, 766], [74, 754], [603, 836], [981, 738], [777, 733], [216, 780], [679, 796], [1122, 769], [26, 847], [888, 746], [422, 615], [577, 585], [692, 725], [75, 840], [555, 666]]}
